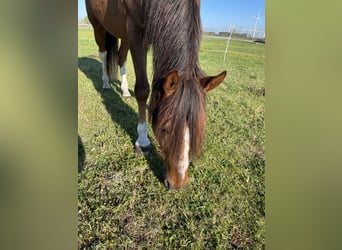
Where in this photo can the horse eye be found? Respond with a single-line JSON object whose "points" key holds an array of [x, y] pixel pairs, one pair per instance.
{"points": [[165, 130]]}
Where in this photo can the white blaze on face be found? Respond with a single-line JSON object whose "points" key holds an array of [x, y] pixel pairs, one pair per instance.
{"points": [[183, 163]]}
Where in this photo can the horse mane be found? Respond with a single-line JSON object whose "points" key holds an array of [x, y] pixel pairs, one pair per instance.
{"points": [[173, 29]]}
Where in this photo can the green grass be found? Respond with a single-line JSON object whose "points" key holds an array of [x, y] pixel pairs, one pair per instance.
{"points": [[121, 201]]}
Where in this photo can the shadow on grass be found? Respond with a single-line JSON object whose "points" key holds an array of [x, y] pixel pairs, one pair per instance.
{"points": [[81, 154], [120, 112]]}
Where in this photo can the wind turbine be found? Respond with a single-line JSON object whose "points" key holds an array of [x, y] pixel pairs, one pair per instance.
{"points": [[257, 18]]}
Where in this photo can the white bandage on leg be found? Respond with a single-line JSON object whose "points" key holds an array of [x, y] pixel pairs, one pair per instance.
{"points": [[142, 140], [124, 83]]}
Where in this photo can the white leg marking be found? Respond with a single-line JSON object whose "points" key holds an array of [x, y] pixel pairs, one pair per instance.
{"points": [[105, 77], [124, 83], [183, 163], [142, 140]]}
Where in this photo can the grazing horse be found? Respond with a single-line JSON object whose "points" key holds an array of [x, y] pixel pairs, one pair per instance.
{"points": [[177, 103]]}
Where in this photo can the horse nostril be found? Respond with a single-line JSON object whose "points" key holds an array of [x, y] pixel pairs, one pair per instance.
{"points": [[167, 184]]}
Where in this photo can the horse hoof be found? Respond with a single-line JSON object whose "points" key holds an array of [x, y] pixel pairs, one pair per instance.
{"points": [[142, 150], [127, 96]]}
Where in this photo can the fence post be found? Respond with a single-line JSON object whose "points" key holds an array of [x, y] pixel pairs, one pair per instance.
{"points": [[231, 27]]}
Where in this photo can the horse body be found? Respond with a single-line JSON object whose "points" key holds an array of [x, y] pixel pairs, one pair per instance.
{"points": [[177, 103]]}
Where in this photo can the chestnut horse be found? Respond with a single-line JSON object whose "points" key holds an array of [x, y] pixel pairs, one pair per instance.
{"points": [[177, 103]]}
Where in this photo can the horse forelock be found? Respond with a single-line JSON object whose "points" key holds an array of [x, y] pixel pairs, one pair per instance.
{"points": [[171, 116]]}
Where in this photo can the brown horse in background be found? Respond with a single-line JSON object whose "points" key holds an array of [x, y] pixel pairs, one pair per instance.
{"points": [[177, 104]]}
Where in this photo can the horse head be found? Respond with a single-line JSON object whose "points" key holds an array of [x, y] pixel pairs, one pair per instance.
{"points": [[178, 114]]}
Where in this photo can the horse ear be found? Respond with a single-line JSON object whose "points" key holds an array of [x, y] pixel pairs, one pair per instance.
{"points": [[171, 83], [211, 82]]}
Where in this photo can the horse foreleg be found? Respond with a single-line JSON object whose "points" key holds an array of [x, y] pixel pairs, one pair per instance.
{"points": [[141, 88], [142, 145], [141, 91]]}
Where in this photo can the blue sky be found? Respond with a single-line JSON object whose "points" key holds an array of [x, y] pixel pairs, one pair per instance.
{"points": [[217, 15]]}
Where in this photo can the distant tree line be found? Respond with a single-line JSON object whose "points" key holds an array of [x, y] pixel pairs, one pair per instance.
{"points": [[226, 34], [84, 20], [234, 35]]}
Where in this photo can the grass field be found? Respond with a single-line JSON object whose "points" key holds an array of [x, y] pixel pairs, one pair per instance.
{"points": [[121, 202]]}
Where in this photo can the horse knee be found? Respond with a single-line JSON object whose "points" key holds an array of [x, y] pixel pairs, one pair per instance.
{"points": [[142, 92]]}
